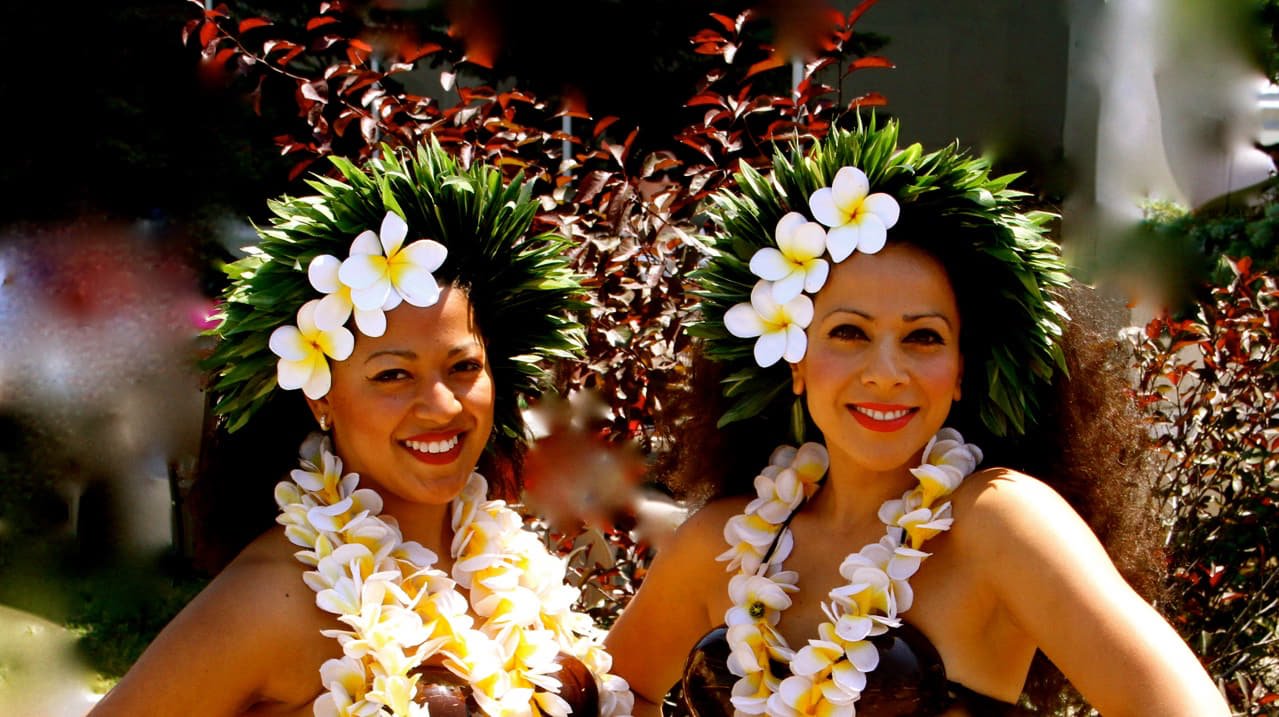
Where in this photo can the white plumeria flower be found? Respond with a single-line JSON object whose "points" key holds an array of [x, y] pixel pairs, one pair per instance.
{"points": [[780, 327], [795, 265], [797, 697], [381, 270], [859, 221], [755, 599], [750, 693], [303, 350], [898, 561], [778, 496], [337, 306]]}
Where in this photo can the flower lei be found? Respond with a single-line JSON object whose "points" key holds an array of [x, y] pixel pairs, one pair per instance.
{"points": [[779, 310], [828, 674], [400, 611]]}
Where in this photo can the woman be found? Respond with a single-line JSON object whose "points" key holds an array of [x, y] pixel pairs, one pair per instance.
{"points": [[905, 294], [405, 302]]}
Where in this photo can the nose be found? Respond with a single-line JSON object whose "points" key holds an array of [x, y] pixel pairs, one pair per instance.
{"points": [[885, 366], [436, 402]]}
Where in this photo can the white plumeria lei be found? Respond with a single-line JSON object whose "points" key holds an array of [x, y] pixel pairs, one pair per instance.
{"points": [[400, 611], [379, 274], [778, 311], [828, 674]]}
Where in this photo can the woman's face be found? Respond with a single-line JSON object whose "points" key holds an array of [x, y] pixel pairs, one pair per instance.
{"points": [[883, 362], [411, 410]]}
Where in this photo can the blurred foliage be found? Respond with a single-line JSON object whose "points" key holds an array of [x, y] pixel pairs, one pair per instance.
{"points": [[1210, 386]]}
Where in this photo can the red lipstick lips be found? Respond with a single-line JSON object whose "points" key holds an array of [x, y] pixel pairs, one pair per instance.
{"points": [[882, 417], [436, 448]]}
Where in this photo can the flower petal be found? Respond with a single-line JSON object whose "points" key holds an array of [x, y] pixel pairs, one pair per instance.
{"points": [[338, 343], [292, 375], [842, 241], [360, 271], [796, 344], [873, 235], [333, 310], [743, 321], [885, 207], [788, 287], [770, 264], [372, 297], [371, 323], [426, 254], [417, 287], [815, 277], [800, 311], [808, 242], [287, 343], [323, 273], [822, 204], [392, 233], [366, 243], [770, 347], [849, 188]]}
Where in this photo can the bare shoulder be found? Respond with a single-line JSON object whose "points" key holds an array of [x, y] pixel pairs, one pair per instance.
{"points": [[702, 535], [995, 508], [235, 644]]}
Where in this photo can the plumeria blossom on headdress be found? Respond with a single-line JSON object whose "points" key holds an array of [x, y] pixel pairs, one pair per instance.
{"points": [[826, 676], [382, 271], [858, 220], [337, 306], [780, 327], [303, 350], [796, 264]]}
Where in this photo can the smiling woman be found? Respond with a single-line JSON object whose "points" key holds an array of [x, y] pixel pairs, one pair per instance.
{"points": [[875, 570], [406, 303]]}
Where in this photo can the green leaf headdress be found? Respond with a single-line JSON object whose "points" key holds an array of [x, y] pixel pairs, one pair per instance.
{"points": [[342, 252], [777, 235]]}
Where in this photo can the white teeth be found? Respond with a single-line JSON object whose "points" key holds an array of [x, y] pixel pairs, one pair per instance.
{"points": [[882, 415], [434, 446]]}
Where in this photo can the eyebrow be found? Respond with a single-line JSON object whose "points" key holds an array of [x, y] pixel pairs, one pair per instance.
{"points": [[409, 355], [906, 317]]}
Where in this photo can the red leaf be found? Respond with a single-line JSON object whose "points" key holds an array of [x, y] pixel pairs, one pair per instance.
{"points": [[299, 168], [591, 185], [706, 98], [320, 21], [253, 23], [872, 61], [870, 99], [603, 124], [224, 55], [1268, 699], [729, 23], [427, 49], [208, 33], [288, 56], [770, 63], [858, 11]]}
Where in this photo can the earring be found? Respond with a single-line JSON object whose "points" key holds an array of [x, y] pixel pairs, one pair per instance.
{"points": [[324, 422]]}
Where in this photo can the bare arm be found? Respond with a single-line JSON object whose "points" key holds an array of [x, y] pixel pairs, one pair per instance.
{"points": [[671, 612], [1055, 580], [230, 648]]}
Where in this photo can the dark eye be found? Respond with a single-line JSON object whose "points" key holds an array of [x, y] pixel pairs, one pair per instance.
{"points": [[925, 336], [390, 374], [847, 332], [468, 366]]}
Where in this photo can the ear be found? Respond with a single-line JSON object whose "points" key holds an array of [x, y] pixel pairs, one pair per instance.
{"points": [[797, 378], [320, 407]]}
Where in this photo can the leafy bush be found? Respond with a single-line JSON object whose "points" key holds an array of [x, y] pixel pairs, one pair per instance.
{"points": [[1210, 385]]}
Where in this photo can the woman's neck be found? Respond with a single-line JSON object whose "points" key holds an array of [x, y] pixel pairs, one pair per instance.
{"points": [[426, 523], [853, 494]]}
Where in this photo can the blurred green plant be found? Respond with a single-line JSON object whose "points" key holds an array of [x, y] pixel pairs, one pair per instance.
{"points": [[1210, 386]]}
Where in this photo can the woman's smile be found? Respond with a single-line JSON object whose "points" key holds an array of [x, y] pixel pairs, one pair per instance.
{"points": [[883, 417], [437, 448]]}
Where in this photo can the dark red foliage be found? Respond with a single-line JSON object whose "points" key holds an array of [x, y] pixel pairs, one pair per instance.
{"points": [[1209, 384]]}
